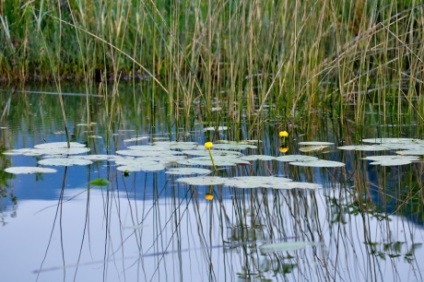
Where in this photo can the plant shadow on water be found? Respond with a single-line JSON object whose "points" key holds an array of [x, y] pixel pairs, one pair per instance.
{"points": [[124, 211]]}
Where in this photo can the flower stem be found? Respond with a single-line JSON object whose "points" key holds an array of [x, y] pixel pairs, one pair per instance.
{"points": [[213, 162]]}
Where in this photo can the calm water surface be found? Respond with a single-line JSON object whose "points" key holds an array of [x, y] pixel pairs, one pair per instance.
{"points": [[365, 224]]}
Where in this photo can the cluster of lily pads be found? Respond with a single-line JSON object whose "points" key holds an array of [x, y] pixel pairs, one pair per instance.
{"points": [[191, 158], [406, 150]]}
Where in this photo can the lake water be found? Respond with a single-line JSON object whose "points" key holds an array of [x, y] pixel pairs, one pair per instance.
{"points": [[364, 224]]}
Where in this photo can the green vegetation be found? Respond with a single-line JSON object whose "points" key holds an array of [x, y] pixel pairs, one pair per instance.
{"points": [[296, 55]]}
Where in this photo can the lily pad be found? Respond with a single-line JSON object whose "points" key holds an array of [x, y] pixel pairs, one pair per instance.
{"points": [[204, 152], [202, 180], [391, 160], [98, 157], [368, 148], [315, 143], [29, 170], [59, 145], [258, 158], [315, 148], [99, 182], [146, 152], [219, 161], [255, 181], [318, 163], [64, 162], [411, 152], [390, 140], [147, 167], [294, 158], [187, 171], [61, 151], [234, 146]]}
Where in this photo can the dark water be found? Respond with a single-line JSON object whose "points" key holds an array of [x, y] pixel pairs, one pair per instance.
{"points": [[365, 224]]}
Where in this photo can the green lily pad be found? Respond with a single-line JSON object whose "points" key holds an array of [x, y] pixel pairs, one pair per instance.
{"points": [[99, 182]]}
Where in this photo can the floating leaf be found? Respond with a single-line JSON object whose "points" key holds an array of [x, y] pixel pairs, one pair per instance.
{"points": [[318, 163], [202, 180], [203, 152], [59, 145], [258, 158], [391, 160], [234, 146], [98, 157], [286, 246], [29, 170], [99, 182], [391, 140], [255, 181], [315, 143], [61, 151], [64, 162], [148, 167], [370, 148], [146, 152], [187, 171], [219, 161], [294, 158], [310, 149], [411, 152]]}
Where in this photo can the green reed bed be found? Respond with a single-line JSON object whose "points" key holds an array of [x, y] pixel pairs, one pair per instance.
{"points": [[254, 58]]}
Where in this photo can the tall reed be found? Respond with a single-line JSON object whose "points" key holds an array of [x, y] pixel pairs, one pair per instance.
{"points": [[287, 57]]}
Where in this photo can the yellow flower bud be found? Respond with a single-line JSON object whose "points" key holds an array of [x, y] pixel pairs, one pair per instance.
{"points": [[208, 145], [209, 196], [284, 134]]}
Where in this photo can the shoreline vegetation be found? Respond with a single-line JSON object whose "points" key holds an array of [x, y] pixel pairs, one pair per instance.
{"points": [[258, 53]]}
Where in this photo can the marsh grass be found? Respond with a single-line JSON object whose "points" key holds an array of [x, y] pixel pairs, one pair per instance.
{"points": [[254, 59]]}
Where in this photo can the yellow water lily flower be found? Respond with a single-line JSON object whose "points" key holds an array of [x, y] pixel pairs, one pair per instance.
{"points": [[284, 134], [208, 145], [209, 196]]}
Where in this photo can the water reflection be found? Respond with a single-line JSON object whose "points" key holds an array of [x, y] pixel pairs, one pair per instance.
{"points": [[365, 225]]}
